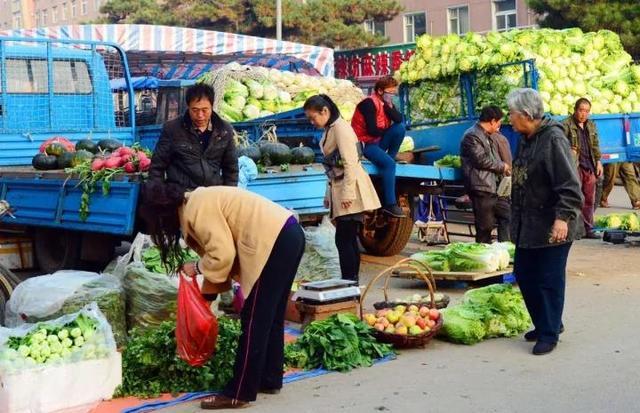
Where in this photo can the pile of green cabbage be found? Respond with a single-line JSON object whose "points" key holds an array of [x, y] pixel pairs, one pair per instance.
{"points": [[256, 92], [571, 64], [468, 257], [497, 310], [626, 222]]}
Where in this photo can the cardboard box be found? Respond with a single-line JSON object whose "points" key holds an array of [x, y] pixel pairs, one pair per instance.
{"points": [[67, 388], [16, 253]]}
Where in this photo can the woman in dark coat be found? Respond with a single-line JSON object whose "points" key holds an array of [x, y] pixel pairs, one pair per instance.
{"points": [[546, 202]]}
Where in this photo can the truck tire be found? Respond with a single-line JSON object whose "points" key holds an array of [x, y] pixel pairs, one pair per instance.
{"points": [[384, 236], [57, 249]]}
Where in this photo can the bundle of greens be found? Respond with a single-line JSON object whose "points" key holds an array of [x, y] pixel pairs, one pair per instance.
{"points": [[497, 310], [436, 260], [468, 257], [341, 342], [151, 297], [150, 365], [153, 261], [626, 222], [449, 161]]}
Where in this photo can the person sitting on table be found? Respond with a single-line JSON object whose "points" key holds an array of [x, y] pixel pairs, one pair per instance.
{"points": [[380, 128]]}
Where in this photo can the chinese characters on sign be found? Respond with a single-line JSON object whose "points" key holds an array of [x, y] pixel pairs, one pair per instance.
{"points": [[354, 65]]}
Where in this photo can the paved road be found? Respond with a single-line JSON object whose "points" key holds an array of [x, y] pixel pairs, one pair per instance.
{"points": [[595, 368]]}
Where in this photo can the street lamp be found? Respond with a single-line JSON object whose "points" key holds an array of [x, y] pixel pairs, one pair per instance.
{"points": [[279, 20]]}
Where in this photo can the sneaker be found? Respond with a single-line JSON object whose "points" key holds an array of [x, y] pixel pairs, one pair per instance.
{"points": [[394, 211], [533, 334], [542, 347]]}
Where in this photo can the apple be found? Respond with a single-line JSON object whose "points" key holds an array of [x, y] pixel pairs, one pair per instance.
{"points": [[415, 330], [400, 309], [383, 312], [370, 319], [431, 323], [393, 317], [390, 329], [434, 314], [378, 327], [424, 311], [413, 309], [421, 323], [402, 330], [408, 320]]}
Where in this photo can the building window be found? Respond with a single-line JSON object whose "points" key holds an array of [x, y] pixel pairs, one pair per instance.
{"points": [[17, 20], [54, 14], [38, 19], [63, 12], [415, 24], [83, 7], [374, 27], [97, 4], [505, 12], [74, 9], [458, 19], [44, 17]]}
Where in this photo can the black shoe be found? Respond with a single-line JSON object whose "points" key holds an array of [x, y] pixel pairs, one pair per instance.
{"points": [[542, 347], [592, 235], [269, 391], [394, 211], [533, 335]]}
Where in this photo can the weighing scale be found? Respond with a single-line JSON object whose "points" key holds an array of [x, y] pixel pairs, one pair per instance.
{"points": [[327, 291]]}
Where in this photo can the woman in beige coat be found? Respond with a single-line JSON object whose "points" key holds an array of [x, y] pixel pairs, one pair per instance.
{"points": [[349, 190]]}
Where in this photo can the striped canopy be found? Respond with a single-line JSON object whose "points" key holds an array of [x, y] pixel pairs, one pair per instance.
{"points": [[153, 41]]}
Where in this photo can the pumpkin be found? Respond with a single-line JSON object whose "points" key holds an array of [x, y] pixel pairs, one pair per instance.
{"points": [[302, 155]]}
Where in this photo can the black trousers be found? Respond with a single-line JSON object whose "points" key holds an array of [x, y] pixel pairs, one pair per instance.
{"points": [[541, 276], [489, 209], [348, 249], [260, 357]]}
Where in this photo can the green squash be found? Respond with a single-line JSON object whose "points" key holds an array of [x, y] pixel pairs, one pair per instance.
{"points": [[109, 145], [44, 162], [55, 149], [275, 154], [302, 155], [66, 160], [87, 145], [80, 157], [252, 152]]}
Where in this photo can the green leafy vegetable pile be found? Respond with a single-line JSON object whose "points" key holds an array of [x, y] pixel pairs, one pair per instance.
{"points": [[468, 257], [497, 310], [153, 262], [450, 161], [626, 222], [341, 342], [150, 365]]}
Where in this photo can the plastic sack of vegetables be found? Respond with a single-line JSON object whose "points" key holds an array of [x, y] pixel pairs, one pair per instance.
{"points": [[48, 297], [151, 296], [320, 259], [82, 335]]}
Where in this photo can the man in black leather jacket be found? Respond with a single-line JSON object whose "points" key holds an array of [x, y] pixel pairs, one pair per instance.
{"points": [[196, 149], [482, 169]]}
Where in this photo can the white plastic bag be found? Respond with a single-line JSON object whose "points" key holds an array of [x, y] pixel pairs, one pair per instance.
{"points": [[89, 344], [320, 260], [50, 296]]}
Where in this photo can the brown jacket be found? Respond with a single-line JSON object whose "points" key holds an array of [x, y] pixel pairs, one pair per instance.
{"points": [[355, 185], [233, 231]]}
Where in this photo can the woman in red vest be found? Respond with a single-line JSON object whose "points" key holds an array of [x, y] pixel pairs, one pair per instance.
{"points": [[378, 125]]}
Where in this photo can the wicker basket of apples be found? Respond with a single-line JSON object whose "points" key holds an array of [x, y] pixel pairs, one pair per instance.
{"points": [[404, 326]]}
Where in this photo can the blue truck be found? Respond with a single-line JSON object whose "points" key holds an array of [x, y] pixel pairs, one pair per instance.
{"points": [[66, 88]]}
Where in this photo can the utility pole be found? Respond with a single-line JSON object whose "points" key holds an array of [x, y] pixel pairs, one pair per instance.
{"points": [[279, 20]]}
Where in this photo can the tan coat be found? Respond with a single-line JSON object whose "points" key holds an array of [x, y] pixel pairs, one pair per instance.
{"points": [[233, 231], [356, 185]]}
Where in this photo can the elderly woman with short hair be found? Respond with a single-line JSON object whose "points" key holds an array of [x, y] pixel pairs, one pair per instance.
{"points": [[546, 201]]}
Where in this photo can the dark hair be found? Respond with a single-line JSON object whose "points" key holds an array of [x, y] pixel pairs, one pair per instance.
{"points": [[159, 210], [199, 91], [491, 112], [385, 82], [319, 102], [580, 102]]}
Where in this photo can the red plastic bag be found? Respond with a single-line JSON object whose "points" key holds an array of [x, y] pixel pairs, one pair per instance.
{"points": [[196, 325]]}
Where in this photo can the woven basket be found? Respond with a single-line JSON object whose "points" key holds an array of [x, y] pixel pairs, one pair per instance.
{"points": [[405, 341]]}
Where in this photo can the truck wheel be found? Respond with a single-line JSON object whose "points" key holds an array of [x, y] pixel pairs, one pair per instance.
{"points": [[385, 236], [57, 249]]}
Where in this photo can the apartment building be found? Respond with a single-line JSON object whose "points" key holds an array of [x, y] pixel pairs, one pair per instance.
{"points": [[18, 14], [440, 17]]}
